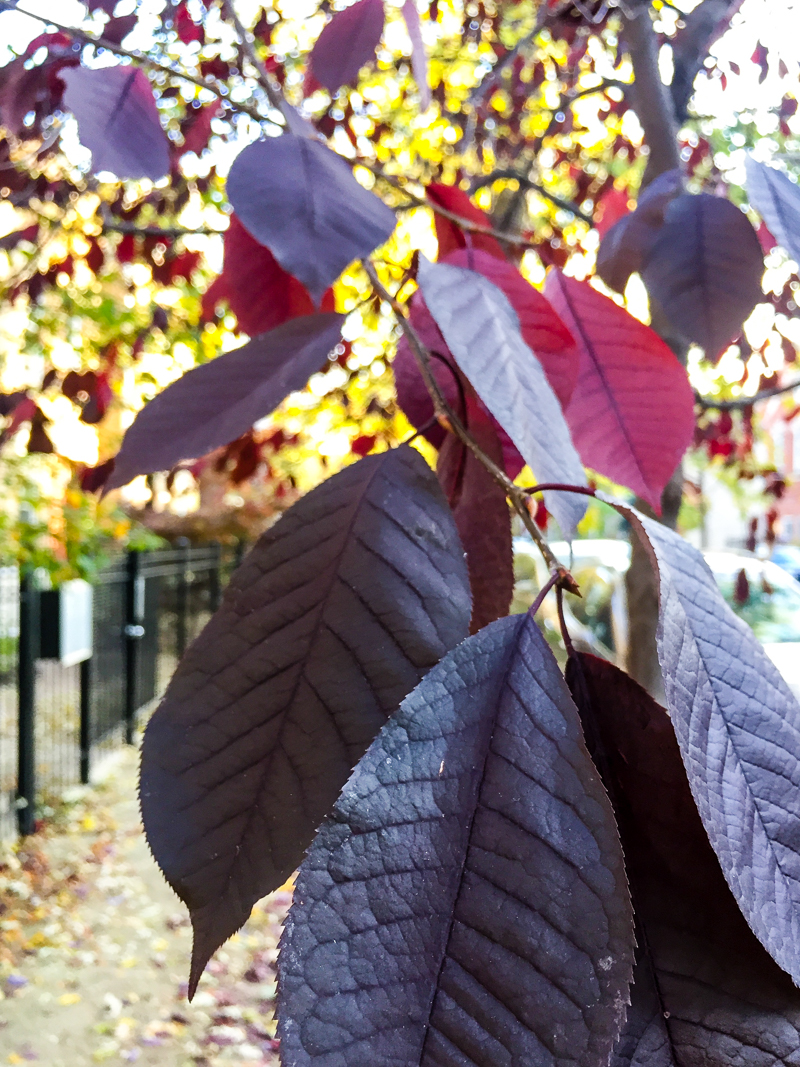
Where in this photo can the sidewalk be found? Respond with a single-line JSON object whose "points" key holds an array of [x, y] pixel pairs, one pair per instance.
{"points": [[94, 951]]}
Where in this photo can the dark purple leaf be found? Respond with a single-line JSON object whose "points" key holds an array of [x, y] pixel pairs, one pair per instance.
{"points": [[465, 902], [347, 43], [481, 512], [482, 331], [218, 401], [118, 120], [115, 30], [335, 615], [632, 412], [624, 248], [777, 200], [704, 269], [419, 57], [705, 991], [301, 200], [738, 727]]}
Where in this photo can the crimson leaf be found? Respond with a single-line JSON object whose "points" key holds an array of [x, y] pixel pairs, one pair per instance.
{"points": [[542, 330], [259, 291], [705, 991], [704, 269], [738, 727], [777, 200], [347, 43], [218, 401], [301, 200], [118, 120], [481, 513], [335, 615], [448, 233], [482, 331], [466, 901], [632, 411]]}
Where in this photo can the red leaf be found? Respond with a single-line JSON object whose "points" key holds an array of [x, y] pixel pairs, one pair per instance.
{"points": [[95, 257], [97, 405], [126, 248], [482, 517], [610, 209], [24, 411], [197, 127], [363, 445], [93, 479], [632, 412], [449, 235], [765, 238], [542, 330], [347, 43], [186, 28], [760, 58], [261, 294]]}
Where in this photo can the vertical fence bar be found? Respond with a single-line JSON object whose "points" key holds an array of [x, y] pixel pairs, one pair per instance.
{"points": [[26, 694], [215, 579], [134, 632], [86, 720], [182, 598]]}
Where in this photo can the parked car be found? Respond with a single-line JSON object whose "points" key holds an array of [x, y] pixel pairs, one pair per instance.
{"points": [[759, 591], [787, 557]]}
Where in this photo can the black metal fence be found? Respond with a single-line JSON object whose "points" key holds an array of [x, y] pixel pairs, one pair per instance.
{"points": [[57, 714]]}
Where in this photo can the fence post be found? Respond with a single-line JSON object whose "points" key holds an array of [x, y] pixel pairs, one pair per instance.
{"points": [[182, 597], [215, 580], [134, 632], [27, 651], [86, 720]]}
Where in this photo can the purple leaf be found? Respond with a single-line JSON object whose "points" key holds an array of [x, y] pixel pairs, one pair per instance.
{"points": [[704, 269], [116, 30], [347, 43], [482, 331], [466, 900], [704, 991], [738, 727], [301, 200], [118, 120], [419, 58], [218, 401], [334, 616], [624, 248], [777, 200]]}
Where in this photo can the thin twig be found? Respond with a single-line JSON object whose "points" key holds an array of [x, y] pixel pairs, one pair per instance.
{"points": [[421, 201], [479, 92], [744, 401], [100, 42], [274, 95], [553, 580], [159, 231], [526, 183], [450, 420], [544, 487]]}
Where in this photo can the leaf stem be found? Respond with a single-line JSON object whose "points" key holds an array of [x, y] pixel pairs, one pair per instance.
{"points": [[450, 420], [553, 580], [543, 487]]}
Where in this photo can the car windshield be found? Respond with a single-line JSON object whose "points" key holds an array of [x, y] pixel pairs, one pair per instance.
{"points": [[766, 597]]}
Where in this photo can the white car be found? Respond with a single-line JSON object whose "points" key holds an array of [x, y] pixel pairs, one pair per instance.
{"points": [[760, 592]]}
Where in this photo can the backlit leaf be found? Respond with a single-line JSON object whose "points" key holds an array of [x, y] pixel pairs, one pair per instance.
{"points": [[347, 43], [482, 331], [118, 120], [632, 411], [704, 269], [448, 233], [218, 401], [301, 200], [466, 900], [705, 991], [738, 727], [480, 510], [542, 330], [777, 200], [335, 615]]}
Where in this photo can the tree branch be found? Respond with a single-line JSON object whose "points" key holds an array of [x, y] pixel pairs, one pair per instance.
{"points": [[452, 422], [526, 183], [219, 91], [740, 402], [651, 98], [274, 95]]}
